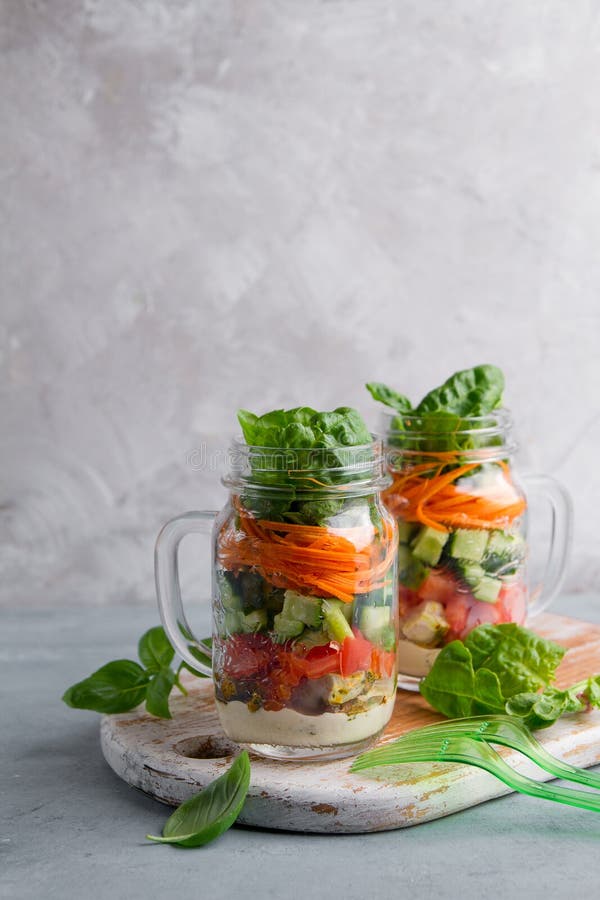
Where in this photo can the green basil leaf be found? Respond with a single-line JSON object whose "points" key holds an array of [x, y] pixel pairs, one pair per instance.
{"points": [[200, 656], [208, 814], [154, 649], [157, 693], [386, 395], [114, 688]]}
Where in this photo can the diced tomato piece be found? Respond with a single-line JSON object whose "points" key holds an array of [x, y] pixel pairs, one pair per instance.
{"points": [[383, 662], [408, 599], [247, 655], [319, 661], [481, 614], [439, 586], [512, 603], [356, 654], [456, 610]]}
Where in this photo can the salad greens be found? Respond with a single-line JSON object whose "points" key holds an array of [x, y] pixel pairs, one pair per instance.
{"points": [[303, 427], [437, 422], [504, 669], [208, 814], [287, 443], [305, 604], [123, 684], [469, 392]]}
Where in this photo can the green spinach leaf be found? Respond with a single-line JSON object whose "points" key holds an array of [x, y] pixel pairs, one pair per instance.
{"points": [[207, 815], [522, 659], [543, 709], [505, 668], [389, 397], [301, 440], [470, 392], [457, 689]]}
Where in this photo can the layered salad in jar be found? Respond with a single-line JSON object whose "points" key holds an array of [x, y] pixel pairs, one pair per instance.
{"points": [[460, 514], [304, 649]]}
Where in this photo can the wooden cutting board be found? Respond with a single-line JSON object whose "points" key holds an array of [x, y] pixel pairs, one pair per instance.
{"points": [[173, 759]]}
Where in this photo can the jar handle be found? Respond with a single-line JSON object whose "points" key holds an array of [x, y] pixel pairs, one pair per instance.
{"points": [[561, 512], [168, 589]]}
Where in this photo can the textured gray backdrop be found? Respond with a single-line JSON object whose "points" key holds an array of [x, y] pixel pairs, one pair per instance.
{"points": [[211, 204]]}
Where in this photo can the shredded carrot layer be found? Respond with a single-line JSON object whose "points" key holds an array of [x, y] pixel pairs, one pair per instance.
{"points": [[425, 493], [328, 562]]}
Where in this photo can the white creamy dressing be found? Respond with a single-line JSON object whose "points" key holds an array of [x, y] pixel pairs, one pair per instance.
{"points": [[415, 660], [285, 727]]}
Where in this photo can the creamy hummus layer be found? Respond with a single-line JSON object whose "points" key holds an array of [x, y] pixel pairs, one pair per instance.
{"points": [[292, 729], [415, 660]]}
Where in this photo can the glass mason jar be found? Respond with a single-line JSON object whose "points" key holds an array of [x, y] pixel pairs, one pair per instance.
{"points": [[304, 600], [462, 522]]}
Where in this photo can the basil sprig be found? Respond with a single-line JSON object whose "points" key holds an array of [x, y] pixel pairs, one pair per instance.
{"points": [[208, 814], [123, 684]]}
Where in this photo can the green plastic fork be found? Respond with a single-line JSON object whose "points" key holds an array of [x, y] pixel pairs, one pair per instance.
{"points": [[509, 732], [466, 741]]}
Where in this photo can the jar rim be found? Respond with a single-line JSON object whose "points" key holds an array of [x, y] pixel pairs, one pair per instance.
{"points": [[499, 420], [357, 468]]}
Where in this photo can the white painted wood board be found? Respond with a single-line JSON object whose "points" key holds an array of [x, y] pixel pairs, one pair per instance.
{"points": [[173, 759]]}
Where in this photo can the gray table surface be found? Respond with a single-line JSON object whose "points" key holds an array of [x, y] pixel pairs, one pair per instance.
{"points": [[71, 828]]}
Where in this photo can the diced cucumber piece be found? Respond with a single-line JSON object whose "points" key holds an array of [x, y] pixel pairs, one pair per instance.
{"points": [[229, 599], [302, 608], [335, 620], [468, 543], [504, 553], [428, 545], [255, 620], [503, 544], [387, 637], [426, 624], [310, 638], [406, 531], [373, 620], [414, 575], [405, 557], [285, 628], [487, 589], [471, 572], [233, 622]]}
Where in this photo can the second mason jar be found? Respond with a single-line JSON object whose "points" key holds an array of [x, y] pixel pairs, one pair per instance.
{"points": [[462, 519], [304, 599]]}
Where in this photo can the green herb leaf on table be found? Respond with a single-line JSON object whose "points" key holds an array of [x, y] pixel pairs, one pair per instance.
{"points": [[114, 688], [157, 693], [208, 814], [505, 669], [154, 649], [123, 684]]}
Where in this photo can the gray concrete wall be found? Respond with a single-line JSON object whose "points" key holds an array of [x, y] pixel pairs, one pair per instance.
{"points": [[210, 204]]}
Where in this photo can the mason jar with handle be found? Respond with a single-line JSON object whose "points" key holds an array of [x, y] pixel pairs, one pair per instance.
{"points": [[304, 600], [462, 520]]}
